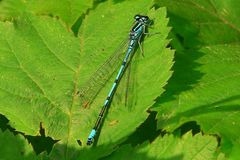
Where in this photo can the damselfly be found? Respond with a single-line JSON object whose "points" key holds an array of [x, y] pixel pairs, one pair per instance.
{"points": [[135, 37]]}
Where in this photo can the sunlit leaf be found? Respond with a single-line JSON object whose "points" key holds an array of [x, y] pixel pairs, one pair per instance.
{"points": [[43, 66]]}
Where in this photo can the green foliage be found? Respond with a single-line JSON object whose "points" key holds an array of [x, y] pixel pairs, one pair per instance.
{"points": [[67, 11], [50, 49], [15, 147], [170, 147], [208, 90]]}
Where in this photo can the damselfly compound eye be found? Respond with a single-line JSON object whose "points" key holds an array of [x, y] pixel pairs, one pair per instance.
{"points": [[137, 17]]}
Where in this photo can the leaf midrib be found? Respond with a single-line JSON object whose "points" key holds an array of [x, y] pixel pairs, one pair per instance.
{"points": [[75, 90], [200, 7], [225, 21]]}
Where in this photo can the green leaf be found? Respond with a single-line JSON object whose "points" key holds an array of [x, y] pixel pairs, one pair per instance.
{"points": [[234, 152], [15, 147], [196, 147], [205, 84], [43, 66], [68, 11]]}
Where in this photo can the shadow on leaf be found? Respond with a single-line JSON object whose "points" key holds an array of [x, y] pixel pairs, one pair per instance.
{"points": [[185, 70]]}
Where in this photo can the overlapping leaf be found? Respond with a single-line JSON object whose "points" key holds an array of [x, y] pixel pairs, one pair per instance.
{"points": [[205, 85], [196, 147], [43, 67], [15, 147], [68, 11]]}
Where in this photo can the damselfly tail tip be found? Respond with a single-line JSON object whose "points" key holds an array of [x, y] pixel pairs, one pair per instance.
{"points": [[89, 141], [91, 137]]}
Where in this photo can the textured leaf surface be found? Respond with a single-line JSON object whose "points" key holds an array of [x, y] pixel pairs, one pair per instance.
{"points": [[205, 85], [43, 66], [68, 11], [188, 147]]}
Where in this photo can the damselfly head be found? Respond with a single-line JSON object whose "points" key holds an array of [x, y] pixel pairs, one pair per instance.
{"points": [[141, 18]]}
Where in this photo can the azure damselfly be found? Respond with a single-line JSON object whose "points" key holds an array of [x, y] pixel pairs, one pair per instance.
{"points": [[135, 37]]}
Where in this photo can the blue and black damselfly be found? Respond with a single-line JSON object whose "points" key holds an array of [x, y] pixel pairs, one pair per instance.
{"points": [[135, 37]]}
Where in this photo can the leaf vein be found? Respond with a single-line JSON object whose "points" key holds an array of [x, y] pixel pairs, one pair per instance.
{"points": [[28, 75], [53, 53]]}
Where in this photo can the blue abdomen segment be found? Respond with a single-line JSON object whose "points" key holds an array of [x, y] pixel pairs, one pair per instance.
{"points": [[91, 137]]}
